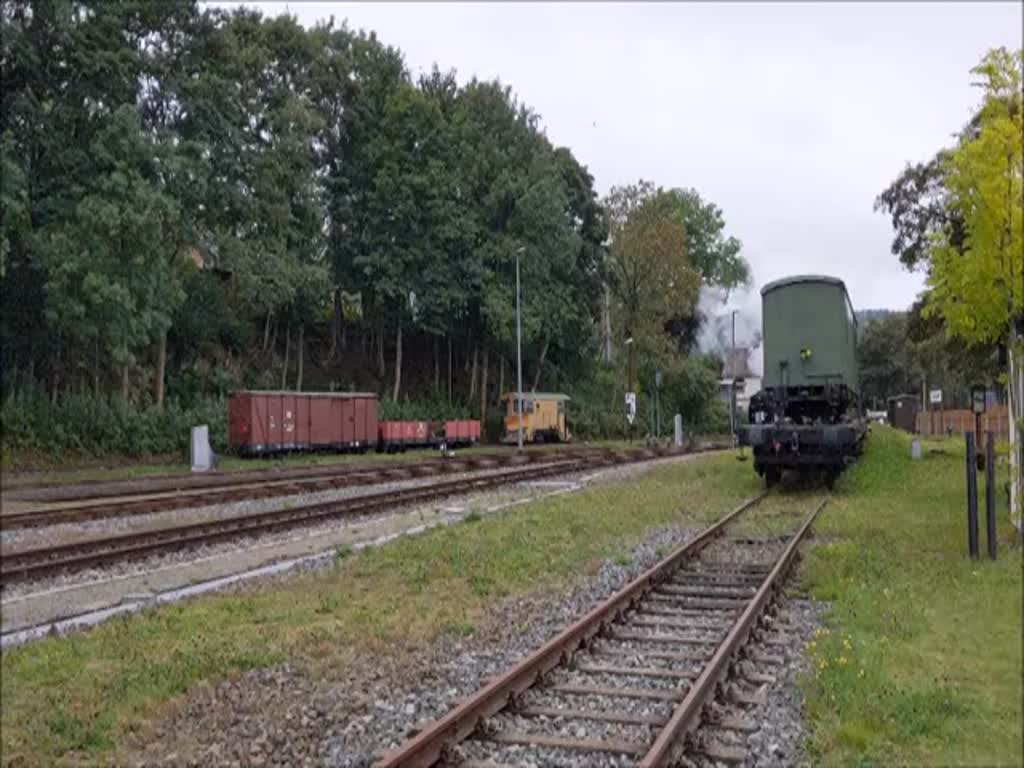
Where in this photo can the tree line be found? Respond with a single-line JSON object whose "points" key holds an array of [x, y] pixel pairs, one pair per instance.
{"points": [[200, 199], [910, 352], [960, 218]]}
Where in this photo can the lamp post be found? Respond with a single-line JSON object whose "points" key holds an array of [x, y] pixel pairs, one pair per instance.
{"points": [[519, 353], [732, 378], [629, 379]]}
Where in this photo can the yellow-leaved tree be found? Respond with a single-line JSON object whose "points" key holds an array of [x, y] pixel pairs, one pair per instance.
{"points": [[978, 285]]}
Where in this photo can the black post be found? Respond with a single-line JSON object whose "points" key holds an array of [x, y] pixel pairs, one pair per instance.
{"points": [[972, 498], [990, 494]]}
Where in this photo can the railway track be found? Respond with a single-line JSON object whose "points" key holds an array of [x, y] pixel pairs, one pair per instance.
{"points": [[27, 564], [627, 682], [183, 482], [313, 483]]}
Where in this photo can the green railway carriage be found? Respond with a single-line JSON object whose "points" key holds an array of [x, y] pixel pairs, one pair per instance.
{"points": [[808, 415]]}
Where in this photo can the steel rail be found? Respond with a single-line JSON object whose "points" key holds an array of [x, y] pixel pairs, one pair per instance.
{"points": [[184, 481], [430, 744], [22, 564], [35, 562], [687, 713], [194, 498]]}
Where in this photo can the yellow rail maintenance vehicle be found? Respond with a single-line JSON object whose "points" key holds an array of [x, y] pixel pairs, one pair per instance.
{"points": [[543, 418]]}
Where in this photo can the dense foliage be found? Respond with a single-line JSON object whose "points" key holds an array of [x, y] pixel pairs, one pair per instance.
{"points": [[201, 199], [910, 353], [961, 218]]}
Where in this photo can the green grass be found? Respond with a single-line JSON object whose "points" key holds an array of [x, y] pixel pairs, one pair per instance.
{"points": [[922, 661], [938, 637], [81, 694]]}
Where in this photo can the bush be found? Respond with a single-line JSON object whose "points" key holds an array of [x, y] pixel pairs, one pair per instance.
{"points": [[493, 426], [689, 387], [96, 425], [437, 409]]}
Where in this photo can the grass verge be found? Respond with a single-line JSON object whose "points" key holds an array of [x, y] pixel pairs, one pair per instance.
{"points": [[77, 696], [922, 662]]}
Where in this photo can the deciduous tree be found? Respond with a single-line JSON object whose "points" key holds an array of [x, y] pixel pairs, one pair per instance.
{"points": [[978, 288]]}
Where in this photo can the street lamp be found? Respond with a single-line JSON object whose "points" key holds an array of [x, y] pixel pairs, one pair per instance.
{"points": [[732, 377], [629, 384], [519, 352]]}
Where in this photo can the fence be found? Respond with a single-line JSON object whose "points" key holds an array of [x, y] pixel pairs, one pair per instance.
{"points": [[937, 422]]}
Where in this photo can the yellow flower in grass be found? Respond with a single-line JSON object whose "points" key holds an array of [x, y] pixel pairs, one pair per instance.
{"points": [[842, 661]]}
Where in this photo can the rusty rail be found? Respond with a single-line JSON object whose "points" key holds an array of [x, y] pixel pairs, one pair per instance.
{"points": [[432, 744], [25, 564], [274, 487], [427, 747], [687, 714]]}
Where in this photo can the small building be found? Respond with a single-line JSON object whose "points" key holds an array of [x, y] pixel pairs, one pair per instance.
{"points": [[543, 417], [902, 412]]}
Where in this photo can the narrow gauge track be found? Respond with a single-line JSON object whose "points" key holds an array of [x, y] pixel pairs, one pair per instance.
{"points": [[183, 482], [271, 488], [27, 564], [648, 631]]}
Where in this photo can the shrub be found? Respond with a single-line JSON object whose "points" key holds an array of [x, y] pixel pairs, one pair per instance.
{"points": [[689, 387], [84, 424], [436, 409]]}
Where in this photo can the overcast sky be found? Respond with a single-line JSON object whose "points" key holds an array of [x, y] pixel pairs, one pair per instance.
{"points": [[791, 117]]}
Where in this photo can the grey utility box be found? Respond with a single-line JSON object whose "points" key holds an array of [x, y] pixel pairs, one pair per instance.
{"points": [[202, 456], [678, 437]]}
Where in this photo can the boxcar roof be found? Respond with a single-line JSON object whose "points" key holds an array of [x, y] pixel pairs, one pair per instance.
{"points": [[538, 396], [783, 282], [292, 392]]}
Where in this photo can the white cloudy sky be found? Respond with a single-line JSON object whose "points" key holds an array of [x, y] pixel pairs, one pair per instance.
{"points": [[791, 117]]}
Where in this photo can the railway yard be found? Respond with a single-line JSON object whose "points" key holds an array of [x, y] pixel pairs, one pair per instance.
{"points": [[444, 386], [573, 607]]}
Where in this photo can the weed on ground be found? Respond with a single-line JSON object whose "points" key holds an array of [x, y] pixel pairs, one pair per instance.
{"points": [[79, 694], [921, 663]]}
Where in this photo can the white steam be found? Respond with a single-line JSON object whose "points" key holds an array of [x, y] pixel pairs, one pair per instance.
{"points": [[716, 331]]}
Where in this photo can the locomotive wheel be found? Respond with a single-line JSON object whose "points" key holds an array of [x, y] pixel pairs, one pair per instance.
{"points": [[772, 476]]}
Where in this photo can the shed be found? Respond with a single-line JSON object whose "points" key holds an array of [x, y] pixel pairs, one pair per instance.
{"points": [[902, 412]]}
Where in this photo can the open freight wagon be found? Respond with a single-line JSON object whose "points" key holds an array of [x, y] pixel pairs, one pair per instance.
{"points": [[401, 435]]}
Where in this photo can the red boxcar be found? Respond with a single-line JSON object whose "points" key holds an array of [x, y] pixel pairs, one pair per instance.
{"points": [[277, 422], [461, 432]]}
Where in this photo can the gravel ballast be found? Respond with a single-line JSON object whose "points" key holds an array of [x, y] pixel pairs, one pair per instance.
{"points": [[441, 510], [383, 697], [282, 717]]}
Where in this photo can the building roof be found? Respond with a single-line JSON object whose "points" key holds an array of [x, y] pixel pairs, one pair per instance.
{"points": [[793, 280], [538, 396]]}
